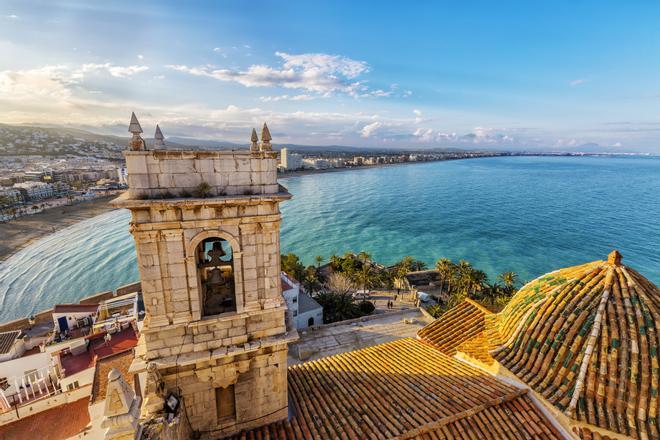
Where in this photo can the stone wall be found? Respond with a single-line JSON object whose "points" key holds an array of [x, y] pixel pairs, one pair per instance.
{"points": [[169, 174], [167, 236], [259, 380]]}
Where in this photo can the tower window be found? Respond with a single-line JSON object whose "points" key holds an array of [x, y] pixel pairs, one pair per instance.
{"points": [[215, 265], [225, 403]]}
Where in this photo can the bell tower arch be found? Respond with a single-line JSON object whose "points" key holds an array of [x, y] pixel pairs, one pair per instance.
{"points": [[206, 226]]}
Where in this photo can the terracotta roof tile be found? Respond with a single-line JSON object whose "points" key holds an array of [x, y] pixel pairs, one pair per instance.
{"points": [[584, 337], [121, 362], [402, 388], [459, 325], [59, 423]]}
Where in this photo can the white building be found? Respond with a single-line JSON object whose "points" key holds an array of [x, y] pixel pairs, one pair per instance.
{"points": [[305, 311], [36, 190], [10, 195], [290, 161], [122, 175]]}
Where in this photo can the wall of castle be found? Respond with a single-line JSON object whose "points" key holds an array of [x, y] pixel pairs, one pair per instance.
{"points": [[168, 174]]}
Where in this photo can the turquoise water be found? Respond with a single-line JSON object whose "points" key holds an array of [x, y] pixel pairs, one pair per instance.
{"points": [[526, 214]]}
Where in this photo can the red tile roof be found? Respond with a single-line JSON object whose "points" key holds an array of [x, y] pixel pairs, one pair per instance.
{"points": [[402, 388], [120, 361], [586, 338], [59, 423], [457, 329]]}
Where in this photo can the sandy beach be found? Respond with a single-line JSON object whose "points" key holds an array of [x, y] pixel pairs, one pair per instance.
{"points": [[19, 233]]}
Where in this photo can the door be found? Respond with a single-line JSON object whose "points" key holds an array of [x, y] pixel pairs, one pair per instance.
{"points": [[63, 323]]}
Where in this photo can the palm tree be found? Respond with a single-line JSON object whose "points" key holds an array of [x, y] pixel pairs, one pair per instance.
{"points": [[445, 269], [319, 260], [509, 279], [367, 277], [463, 270]]}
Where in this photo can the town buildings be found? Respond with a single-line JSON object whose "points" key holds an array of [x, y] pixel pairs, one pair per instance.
{"points": [[290, 161], [49, 360]]}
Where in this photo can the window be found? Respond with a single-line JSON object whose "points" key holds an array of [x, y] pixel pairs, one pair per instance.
{"points": [[4, 383], [225, 403], [295, 300], [215, 271], [310, 322]]}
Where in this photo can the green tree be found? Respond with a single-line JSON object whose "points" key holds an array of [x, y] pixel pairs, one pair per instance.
{"points": [[445, 268], [337, 306], [318, 259], [509, 280], [291, 264]]}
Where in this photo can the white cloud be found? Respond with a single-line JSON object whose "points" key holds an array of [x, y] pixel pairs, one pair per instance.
{"points": [[116, 71], [417, 112], [301, 97], [11, 17], [140, 56], [370, 129], [313, 72], [577, 82]]}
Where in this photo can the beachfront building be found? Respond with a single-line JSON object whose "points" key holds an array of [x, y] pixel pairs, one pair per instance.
{"points": [[290, 161], [35, 190], [206, 226], [304, 310], [10, 196]]}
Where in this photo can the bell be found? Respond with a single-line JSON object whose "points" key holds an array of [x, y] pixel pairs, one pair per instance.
{"points": [[215, 276], [216, 253]]}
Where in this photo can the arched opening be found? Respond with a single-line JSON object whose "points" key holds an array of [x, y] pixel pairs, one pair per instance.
{"points": [[215, 270], [310, 322]]}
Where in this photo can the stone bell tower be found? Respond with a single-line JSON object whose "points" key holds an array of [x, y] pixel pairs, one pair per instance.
{"points": [[206, 226]]}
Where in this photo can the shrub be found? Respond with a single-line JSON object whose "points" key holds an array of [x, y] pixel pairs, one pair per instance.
{"points": [[203, 190], [366, 307]]}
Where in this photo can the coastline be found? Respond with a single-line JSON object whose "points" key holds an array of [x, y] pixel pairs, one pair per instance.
{"points": [[20, 233]]}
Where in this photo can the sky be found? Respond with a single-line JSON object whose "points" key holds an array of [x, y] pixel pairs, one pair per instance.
{"points": [[505, 75]]}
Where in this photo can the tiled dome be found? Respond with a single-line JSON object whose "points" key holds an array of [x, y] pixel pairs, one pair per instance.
{"points": [[586, 339]]}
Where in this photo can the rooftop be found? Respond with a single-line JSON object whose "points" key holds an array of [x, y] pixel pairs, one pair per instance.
{"points": [[75, 308], [585, 338], [7, 340], [120, 361], [306, 303], [58, 423], [404, 389], [99, 349], [338, 338]]}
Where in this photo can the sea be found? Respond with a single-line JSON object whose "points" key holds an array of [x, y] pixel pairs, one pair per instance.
{"points": [[530, 215]]}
